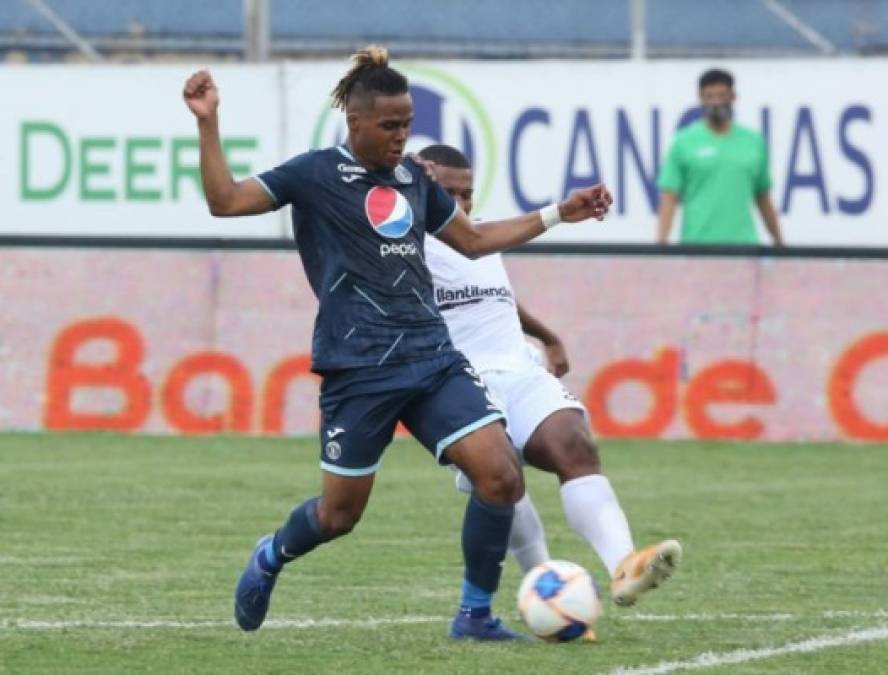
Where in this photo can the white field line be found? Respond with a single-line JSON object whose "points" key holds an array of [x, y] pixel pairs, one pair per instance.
{"points": [[712, 659], [374, 622], [26, 624], [752, 618]]}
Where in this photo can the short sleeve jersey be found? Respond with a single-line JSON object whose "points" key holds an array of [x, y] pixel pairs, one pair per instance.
{"points": [[716, 176], [360, 236]]}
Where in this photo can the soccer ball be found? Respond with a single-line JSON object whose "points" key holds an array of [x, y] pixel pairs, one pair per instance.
{"points": [[558, 601]]}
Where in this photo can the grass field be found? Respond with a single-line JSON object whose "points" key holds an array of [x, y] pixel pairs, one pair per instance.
{"points": [[119, 554]]}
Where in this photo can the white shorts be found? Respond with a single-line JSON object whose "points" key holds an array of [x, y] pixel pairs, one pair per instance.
{"points": [[527, 398]]}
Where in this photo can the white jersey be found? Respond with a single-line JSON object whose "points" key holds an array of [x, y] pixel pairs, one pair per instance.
{"points": [[477, 302]]}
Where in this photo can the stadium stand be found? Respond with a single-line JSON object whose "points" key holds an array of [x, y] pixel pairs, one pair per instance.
{"points": [[726, 24], [686, 27], [466, 28], [857, 26]]}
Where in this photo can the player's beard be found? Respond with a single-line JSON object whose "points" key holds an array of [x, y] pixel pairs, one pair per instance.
{"points": [[719, 114]]}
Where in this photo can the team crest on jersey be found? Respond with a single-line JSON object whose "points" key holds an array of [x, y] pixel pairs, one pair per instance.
{"points": [[388, 211], [402, 175]]}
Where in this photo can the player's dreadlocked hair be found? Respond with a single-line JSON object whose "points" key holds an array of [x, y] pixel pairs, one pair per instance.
{"points": [[370, 75]]}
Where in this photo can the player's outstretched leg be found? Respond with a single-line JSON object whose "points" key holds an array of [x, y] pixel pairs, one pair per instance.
{"points": [[315, 521], [563, 445], [489, 461], [299, 535]]}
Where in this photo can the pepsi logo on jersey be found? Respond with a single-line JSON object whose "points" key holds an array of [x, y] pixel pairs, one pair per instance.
{"points": [[397, 249], [388, 211]]}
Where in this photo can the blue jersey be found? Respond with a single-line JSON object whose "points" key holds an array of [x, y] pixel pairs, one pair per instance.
{"points": [[360, 236]]}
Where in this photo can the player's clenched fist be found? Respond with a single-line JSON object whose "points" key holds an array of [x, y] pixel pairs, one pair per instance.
{"points": [[201, 95], [590, 202]]}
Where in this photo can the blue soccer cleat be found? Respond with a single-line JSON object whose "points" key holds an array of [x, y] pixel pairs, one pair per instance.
{"points": [[253, 593], [488, 628]]}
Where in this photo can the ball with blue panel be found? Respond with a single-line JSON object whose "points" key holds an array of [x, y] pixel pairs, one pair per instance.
{"points": [[558, 601]]}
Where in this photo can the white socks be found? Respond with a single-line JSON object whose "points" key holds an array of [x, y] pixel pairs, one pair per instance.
{"points": [[591, 508], [527, 541], [593, 511]]}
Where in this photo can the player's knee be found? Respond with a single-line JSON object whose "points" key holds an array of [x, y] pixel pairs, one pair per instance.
{"points": [[502, 485], [515, 483], [576, 455]]}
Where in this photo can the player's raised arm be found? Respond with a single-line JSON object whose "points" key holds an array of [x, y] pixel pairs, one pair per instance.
{"points": [[225, 196], [474, 240]]}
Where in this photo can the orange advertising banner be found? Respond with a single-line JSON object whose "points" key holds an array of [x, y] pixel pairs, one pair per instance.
{"points": [[205, 341]]}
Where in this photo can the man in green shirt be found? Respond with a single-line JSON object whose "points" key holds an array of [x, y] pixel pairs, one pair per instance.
{"points": [[715, 168]]}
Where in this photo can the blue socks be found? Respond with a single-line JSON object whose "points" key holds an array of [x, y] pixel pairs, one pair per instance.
{"points": [[485, 539], [300, 534], [475, 601]]}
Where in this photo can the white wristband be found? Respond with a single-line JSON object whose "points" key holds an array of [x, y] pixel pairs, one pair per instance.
{"points": [[550, 215]]}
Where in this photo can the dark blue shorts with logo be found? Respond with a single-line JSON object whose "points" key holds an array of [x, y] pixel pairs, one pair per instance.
{"points": [[440, 400]]}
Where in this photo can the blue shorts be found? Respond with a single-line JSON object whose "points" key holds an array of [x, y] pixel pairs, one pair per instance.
{"points": [[440, 400]]}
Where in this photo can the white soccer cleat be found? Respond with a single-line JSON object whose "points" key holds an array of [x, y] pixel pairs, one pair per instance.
{"points": [[643, 570]]}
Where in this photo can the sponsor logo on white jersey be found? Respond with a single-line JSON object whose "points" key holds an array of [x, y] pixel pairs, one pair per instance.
{"points": [[471, 294]]}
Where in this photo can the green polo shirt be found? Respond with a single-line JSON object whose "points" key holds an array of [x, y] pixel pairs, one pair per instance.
{"points": [[717, 176]]}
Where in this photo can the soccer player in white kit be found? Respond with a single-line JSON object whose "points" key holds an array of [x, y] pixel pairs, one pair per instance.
{"points": [[547, 424]]}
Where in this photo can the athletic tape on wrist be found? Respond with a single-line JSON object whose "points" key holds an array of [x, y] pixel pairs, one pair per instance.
{"points": [[550, 215]]}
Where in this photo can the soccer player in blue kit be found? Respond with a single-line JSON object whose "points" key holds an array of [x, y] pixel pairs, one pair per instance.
{"points": [[360, 211]]}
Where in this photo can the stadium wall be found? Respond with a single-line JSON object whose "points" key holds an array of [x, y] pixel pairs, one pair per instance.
{"points": [[206, 341], [112, 150]]}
